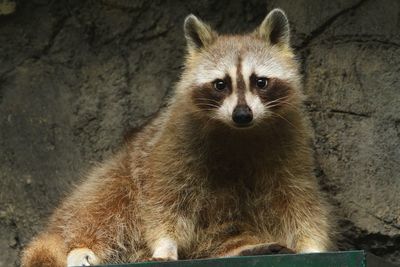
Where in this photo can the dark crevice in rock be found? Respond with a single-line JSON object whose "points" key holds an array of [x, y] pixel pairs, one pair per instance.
{"points": [[59, 25], [324, 26], [384, 221], [365, 115], [363, 39], [339, 111], [123, 5]]}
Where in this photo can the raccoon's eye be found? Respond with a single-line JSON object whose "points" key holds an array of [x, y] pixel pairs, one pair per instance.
{"points": [[261, 82], [219, 84]]}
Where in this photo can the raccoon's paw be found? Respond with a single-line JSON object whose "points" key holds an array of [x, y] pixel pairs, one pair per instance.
{"points": [[265, 249], [82, 257]]}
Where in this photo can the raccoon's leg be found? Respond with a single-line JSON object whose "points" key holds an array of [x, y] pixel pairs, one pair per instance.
{"points": [[169, 226], [310, 227], [45, 250], [82, 257], [167, 231], [165, 249], [314, 231], [50, 250], [164, 246], [97, 223], [315, 244]]}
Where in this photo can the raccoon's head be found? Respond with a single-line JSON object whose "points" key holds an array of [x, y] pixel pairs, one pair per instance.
{"points": [[241, 80]]}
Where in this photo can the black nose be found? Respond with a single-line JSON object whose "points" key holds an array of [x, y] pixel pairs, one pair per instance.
{"points": [[242, 115]]}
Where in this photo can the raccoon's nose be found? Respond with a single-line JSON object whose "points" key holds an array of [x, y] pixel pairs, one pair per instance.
{"points": [[242, 115]]}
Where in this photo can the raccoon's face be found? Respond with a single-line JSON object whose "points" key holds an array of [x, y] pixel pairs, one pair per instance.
{"points": [[241, 80]]}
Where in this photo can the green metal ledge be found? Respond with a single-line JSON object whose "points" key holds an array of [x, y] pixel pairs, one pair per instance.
{"points": [[331, 259]]}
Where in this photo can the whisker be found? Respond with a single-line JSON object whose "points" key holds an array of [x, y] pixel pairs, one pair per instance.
{"points": [[278, 99], [291, 124], [279, 103], [290, 105], [207, 105], [271, 106]]}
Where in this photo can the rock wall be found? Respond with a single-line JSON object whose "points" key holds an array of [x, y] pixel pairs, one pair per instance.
{"points": [[76, 75]]}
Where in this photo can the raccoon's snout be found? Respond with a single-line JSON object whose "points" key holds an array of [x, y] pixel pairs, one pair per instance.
{"points": [[242, 115]]}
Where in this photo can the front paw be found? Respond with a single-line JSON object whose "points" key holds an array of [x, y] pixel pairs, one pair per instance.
{"points": [[82, 257], [265, 249]]}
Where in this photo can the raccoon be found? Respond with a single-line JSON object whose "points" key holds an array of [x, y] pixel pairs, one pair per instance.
{"points": [[225, 170]]}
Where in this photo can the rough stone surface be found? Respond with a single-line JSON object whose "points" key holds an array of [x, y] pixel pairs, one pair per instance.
{"points": [[76, 75]]}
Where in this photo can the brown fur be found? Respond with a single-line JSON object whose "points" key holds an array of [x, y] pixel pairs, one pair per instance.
{"points": [[46, 250], [215, 190]]}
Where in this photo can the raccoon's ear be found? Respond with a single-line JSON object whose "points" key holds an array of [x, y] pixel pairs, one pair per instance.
{"points": [[275, 28], [197, 33]]}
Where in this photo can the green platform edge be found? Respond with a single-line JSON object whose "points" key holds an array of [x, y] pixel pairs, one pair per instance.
{"points": [[356, 258]]}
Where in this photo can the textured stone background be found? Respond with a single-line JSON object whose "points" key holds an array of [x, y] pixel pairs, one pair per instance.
{"points": [[76, 75]]}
